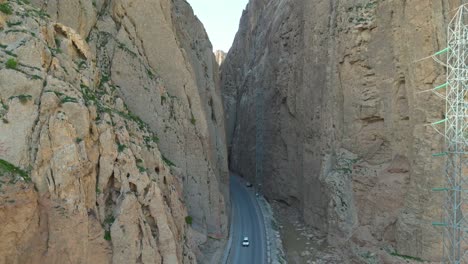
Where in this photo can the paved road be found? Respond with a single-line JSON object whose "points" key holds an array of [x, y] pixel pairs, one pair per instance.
{"points": [[247, 221]]}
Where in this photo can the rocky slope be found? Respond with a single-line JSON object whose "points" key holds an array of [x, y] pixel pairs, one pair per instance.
{"points": [[220, 56], [112, 144], [322, 109]]}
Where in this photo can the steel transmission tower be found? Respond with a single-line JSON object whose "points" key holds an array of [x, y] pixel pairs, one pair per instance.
{"points": [[455, 234]]}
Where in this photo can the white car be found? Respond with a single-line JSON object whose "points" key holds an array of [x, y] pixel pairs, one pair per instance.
{"points": [[245, 242]]}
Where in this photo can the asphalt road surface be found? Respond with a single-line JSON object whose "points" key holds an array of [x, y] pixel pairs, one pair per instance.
{"points": [[247, 221]]}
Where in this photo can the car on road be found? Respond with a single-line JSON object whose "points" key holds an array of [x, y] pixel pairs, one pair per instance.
{"points": [[245, 242], [248, 184]]}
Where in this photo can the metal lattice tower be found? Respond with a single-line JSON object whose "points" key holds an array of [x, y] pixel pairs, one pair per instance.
{"points": [[456, 141]]}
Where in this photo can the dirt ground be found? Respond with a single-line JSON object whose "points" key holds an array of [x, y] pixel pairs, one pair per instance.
{"points": [[302, 244]]}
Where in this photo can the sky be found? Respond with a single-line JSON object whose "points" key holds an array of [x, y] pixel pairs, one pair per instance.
{"points": [[220, 18]]}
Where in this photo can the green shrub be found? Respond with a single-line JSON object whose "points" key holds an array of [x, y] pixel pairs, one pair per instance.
{"points": [[68, 99], [188, 220], [23, 98], [121, 147], [141, 168], [12, 24], [110, 219], [396, 254], [11, 64], [7, 167], [107, 235], [167, 161], [6, 8]]}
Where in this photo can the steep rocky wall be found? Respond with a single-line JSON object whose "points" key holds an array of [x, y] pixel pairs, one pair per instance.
{"points": [[114, 112], [322, 109], [159, 57], [220, 56]]}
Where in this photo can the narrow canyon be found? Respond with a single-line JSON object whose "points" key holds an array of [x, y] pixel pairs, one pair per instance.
{"points": [[120, 129]]}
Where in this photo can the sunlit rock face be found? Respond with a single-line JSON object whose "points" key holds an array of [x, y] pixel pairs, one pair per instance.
{"points": [[112, 145], [322, 108], [220, 56]]}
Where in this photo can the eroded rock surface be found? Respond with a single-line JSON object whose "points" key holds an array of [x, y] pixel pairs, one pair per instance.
{"points": [[220, 56], [322, 108], [112, 135]]}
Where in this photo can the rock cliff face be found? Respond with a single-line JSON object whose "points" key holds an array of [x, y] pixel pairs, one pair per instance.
{"points": [[112, 145], [220, 56], [322, 109]]}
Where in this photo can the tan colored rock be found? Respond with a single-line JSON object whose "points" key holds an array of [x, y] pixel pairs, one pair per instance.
{"points": [[19, 214], [220, 56], [89, 184], [322, 108], [186, 110], [76, 40], [165, 71]]}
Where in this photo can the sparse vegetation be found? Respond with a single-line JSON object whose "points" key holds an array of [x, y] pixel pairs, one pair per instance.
{"points": [[167, 161], [82, 65], [12, 24], [188, 220], [396, 254], [21, 31], [6, 8], [141, 169], [107, 235], [193, 120], [109, 219], [120, 147], [57, 42], [23, 98], [68, 99], [3, 111], [150, 73], [149, 139], [7, 167], [78, 140], [345, 165], [38, 13], [11, 64], [55, 51], [125, 48], [11, 53], [22, 2], [58, 94]]}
